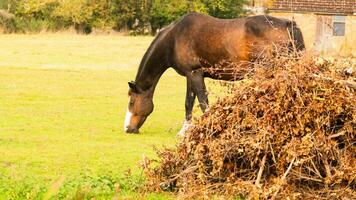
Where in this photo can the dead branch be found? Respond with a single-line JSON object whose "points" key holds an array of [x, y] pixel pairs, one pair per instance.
{"points": [[350, 84], [327, 169], [246, 139], [337, 135], [283, 178], [347, 83], [260, 171]]}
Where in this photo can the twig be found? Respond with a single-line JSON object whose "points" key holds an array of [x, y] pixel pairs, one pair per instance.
{"points": [[291, 39], [253, 163], [342, 82], [259, 174], [348, 84], [315, 168], [300, 176], [327, 168], [272, 152], [337, 135], [283, 178], [186, 171], [322, 77]]}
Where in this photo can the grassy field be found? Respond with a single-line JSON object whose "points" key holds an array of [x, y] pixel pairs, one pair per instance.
{"points": [[62, 104]]}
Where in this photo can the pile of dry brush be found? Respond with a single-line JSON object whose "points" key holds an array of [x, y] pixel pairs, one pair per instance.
{"points": [[287, 132]]}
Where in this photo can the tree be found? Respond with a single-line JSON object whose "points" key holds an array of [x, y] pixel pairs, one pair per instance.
{"points": [[9, 5], [164, 12], [102, 16], [125, 12], [226, 9], [77, 12], [137, 15]]}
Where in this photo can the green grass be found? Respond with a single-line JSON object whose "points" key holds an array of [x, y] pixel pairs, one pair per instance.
{"points": [[62, 104]]}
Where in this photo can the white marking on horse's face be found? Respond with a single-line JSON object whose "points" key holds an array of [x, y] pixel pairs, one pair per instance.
{"points": [[127, 120]]}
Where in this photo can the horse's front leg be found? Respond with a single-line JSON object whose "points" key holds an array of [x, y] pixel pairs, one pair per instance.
{"points": [[198, 84], [189, 103], [189, 100], [195, 87]]}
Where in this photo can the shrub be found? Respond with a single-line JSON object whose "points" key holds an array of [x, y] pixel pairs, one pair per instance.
{"points": [[287, 133]]}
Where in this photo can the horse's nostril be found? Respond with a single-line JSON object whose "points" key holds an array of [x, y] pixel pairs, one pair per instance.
{"points": [[126, 128], [134, 130]]}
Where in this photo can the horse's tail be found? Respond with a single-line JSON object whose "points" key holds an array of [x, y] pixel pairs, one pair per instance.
{"points": [[297, 41]]}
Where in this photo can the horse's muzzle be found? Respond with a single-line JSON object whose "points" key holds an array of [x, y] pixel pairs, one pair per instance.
{"points": [[131, 130]]}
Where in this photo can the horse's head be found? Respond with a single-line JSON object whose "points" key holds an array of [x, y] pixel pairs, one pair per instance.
{"points": [[140, 106], [296, 36]]}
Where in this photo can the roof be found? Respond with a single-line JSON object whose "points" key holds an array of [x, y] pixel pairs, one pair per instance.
{"points": [[315, 6]]}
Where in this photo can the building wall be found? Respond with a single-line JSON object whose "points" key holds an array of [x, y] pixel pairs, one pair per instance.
{"points": [[263, 3], [349, 43], [333, 45]]}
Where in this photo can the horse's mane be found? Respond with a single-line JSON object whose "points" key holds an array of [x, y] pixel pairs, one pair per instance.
{"points": [[160, 36]]}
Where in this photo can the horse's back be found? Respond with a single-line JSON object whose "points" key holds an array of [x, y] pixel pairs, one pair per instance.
{"points": [[205, 26], [198, 39]]}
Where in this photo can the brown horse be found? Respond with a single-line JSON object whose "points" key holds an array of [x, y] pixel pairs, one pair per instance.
{"points": [[196, 41]]}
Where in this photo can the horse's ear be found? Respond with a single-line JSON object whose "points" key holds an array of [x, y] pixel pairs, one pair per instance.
{"points": [[133, 87]]}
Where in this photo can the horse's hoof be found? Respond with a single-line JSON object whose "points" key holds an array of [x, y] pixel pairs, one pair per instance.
{"points": [[184, 128], [181, 133]]}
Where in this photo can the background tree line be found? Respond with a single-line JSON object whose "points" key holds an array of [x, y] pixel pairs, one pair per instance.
{"points": [[138, 16]]}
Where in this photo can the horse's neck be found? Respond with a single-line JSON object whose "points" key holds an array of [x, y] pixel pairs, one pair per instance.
{"points": [[150, 71], [155, 62]]}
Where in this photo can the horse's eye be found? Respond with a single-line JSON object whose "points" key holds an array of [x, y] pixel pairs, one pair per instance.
{"points": [[131, 103]]}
